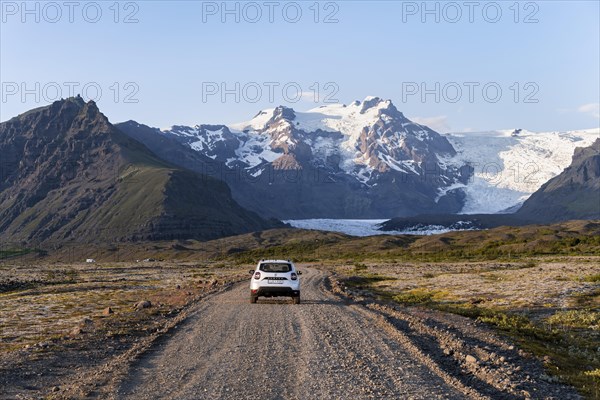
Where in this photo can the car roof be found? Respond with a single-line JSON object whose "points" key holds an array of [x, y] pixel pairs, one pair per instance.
{"points": [[276, 261]]}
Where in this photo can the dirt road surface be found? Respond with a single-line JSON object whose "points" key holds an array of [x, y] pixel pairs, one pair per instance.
{"points": [[328, 348]]}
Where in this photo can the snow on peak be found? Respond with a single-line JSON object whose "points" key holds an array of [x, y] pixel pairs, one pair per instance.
{"points": [[257, 123], [374, 102], [365, 136], [332, 117], [181, 130], [261, 121], [348, 120]]}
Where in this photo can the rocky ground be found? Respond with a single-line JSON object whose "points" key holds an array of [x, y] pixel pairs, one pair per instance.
{"points": [[200, 338], [549, 306], [198, 335], [86, 320], [537, 286]]}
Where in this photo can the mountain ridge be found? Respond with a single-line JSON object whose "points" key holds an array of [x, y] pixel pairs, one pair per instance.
{"points": [[70, 175], [364, 149], [363, 160]]}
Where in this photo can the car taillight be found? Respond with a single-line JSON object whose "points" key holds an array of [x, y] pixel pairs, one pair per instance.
{"points": [[257, 275], [294, 276]]}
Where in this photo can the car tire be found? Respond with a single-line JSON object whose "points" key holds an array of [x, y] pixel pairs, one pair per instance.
{"points": [[253, 299], [296, 299]]}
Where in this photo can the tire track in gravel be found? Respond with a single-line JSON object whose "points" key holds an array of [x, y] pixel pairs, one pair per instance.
{"points": [[320, 349]]}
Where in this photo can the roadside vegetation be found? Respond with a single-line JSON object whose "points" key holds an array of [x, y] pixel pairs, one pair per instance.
{"points": [[550, 309], [577, 238], [574, 238]]}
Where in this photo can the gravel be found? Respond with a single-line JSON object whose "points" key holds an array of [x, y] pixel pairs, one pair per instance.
{"points": [[328, 347]]}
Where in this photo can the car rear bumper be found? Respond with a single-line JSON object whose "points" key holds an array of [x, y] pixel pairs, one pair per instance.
{"points": [[270, 291]]}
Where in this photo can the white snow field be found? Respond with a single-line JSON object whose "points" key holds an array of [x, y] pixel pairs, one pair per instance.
{"points": [[509, 168]]}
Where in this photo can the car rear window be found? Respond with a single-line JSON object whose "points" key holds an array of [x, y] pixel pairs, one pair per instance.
{"points": [[275, 267]]}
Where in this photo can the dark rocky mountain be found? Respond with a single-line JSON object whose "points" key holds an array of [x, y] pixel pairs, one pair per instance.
{"points": [[573, 194], [171, 150], [69, 175], [364, 160]]}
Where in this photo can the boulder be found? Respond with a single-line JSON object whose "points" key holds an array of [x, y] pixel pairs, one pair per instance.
{"points": [[143, 304]]}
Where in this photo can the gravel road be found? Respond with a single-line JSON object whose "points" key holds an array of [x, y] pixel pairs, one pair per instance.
{"points": [[322, 349]]}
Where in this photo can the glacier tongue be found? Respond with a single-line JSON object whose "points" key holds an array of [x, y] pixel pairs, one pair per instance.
{"points": [[366, 227], [509, 167]]}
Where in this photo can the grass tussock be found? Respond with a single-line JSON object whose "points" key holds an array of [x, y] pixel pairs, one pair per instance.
{"points": [[595, 278], [583, 319], [367, 279], [420, 296], [358, 267]]}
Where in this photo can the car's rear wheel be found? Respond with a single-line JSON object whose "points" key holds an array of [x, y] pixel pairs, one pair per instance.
{"points": [[253, 298], [296, 299]]}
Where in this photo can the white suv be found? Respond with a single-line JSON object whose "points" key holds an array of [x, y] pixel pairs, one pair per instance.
{"points": [[275, 278]]}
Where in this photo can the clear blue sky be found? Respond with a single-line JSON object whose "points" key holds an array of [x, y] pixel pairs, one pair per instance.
{"points": [[176, 51]]}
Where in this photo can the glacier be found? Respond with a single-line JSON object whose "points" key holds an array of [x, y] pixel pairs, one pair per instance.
{"points": [[361, 227], [509, 167]]}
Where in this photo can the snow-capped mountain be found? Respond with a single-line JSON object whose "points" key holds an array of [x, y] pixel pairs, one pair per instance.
{"points": [[365, 159], [510, 165], [365, 138]]}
